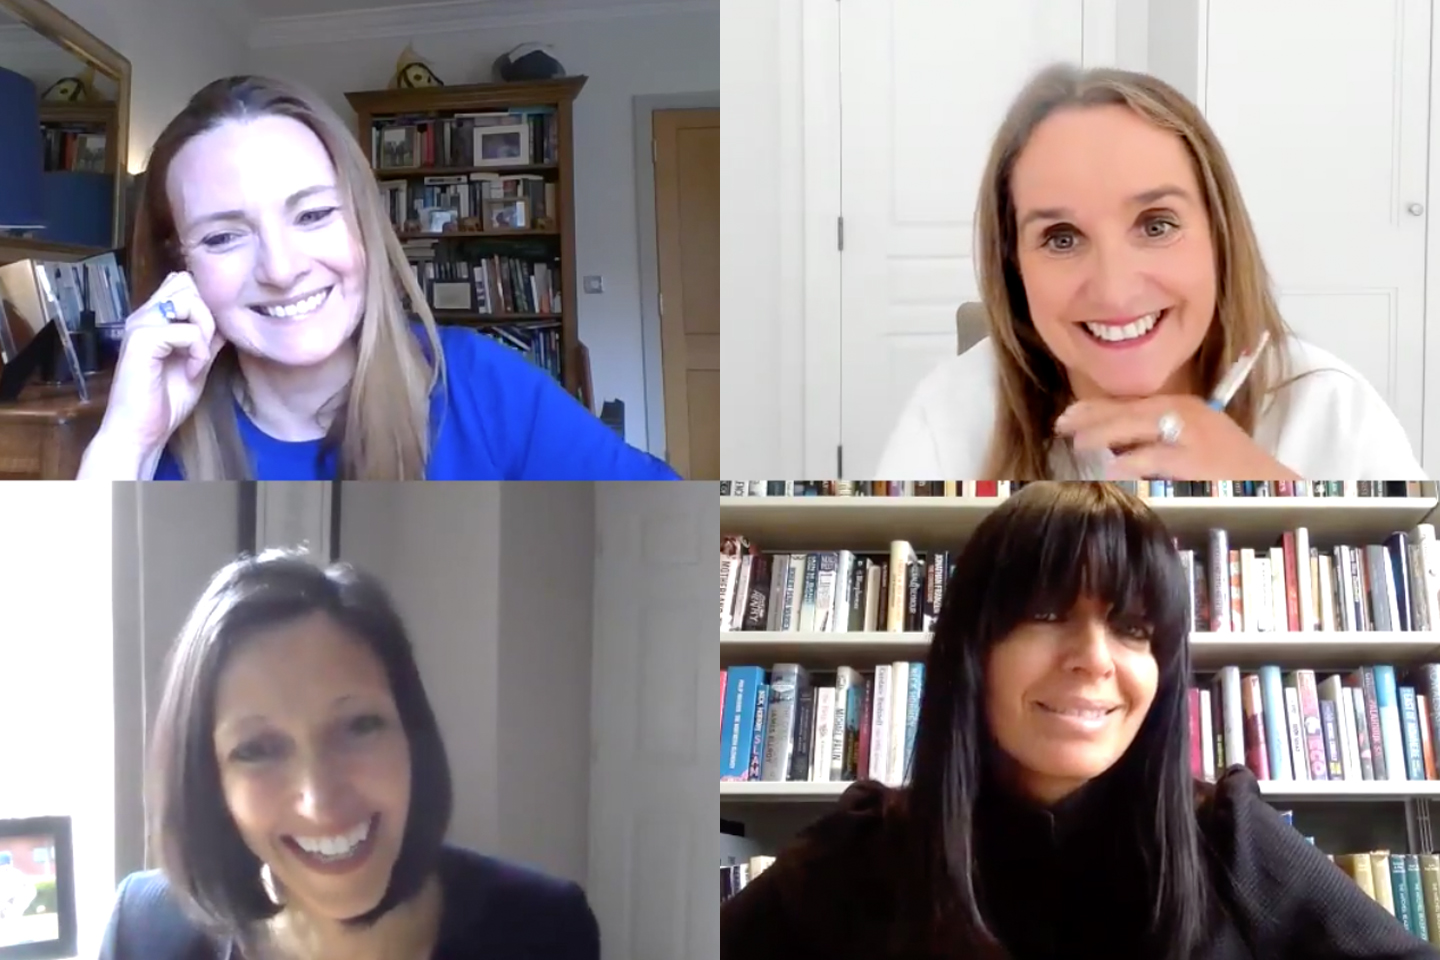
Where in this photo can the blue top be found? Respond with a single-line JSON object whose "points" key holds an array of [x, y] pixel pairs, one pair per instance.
{"points": [[492, 909], [497, 417]]}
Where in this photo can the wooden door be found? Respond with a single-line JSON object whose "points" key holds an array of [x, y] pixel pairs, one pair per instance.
{"points": [[687, 226]]}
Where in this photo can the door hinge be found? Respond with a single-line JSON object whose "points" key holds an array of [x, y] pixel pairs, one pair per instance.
{"points": [[840, 463], [840, 233], [654, 152], [662, 304]]}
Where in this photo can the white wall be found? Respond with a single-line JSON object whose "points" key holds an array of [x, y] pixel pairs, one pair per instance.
{"points": [[169, 539], [762, 277], [666, 52], [437, 548], [175, 47], [55, 708], [547, 572], [494, 582]]}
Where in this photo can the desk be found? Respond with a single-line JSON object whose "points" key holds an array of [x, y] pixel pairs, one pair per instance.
{"points": [[44, 434]]}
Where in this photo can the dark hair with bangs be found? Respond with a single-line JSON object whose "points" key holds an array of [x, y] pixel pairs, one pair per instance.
{"points": [[1044, 547], [199, 847]]}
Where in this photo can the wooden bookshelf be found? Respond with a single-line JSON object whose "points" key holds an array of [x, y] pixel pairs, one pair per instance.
{"points": [[755, 792], [868, 523], [98, 119], [447, 114]]}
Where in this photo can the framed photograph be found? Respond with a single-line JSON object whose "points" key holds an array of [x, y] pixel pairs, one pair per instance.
{"points": [[507, 214], [506, 145], [37, 889], [439, 219]]}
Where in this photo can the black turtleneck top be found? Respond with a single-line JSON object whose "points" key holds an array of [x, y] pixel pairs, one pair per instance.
{"points": [[1064, 882]]}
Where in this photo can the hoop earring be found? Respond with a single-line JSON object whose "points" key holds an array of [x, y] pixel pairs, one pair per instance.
{"points": [[267, 880]]}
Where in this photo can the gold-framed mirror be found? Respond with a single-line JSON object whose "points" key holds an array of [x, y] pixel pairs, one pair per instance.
{"points": [[83, 86]]}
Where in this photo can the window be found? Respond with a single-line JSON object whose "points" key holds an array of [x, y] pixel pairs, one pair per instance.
{"points": [[56, 631]]}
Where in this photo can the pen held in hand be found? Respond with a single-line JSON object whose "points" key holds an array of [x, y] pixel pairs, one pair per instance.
{"points": [[1236, 376]]}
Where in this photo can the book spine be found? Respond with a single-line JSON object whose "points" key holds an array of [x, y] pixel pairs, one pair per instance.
{"points": [[757, 737], [786, 682], [1329, 719], [1392, 737], [1410, 734], [1219, 581], [1311, 723], [1374, 726], [803, 738], [1277, 736]]}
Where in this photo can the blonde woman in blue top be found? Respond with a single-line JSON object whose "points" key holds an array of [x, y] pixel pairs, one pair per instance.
{"points": [[275, 341]]}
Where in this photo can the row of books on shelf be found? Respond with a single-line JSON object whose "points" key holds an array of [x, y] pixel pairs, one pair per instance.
{"points": [[1363, 725], [488, 285], [1405, 884], [72, 148], [520, 135], [1288, 586], [1157, 489], [780, 726], [537, 342], [734, 877], [471, 202], [789, 724], [1294, 586]]}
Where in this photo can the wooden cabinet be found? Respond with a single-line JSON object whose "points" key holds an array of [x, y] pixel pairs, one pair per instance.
{"points": [[44, 434]]}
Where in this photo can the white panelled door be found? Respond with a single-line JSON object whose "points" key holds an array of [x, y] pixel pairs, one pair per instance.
{"points": [[654, 809], [923, 87], [1341, 219]]}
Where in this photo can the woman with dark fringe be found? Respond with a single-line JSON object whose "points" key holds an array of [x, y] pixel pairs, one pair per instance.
{"points": [[1051, 810], [300, 795]]}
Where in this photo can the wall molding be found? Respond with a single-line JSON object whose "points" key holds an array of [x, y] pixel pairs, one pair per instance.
{"points": [[449, 16]]}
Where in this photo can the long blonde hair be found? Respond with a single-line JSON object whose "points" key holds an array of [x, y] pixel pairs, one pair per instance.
{"points": [[381, 427], [1033, 387]]}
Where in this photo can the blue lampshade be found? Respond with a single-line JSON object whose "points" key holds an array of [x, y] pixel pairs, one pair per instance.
{"points": [[21, 159]]}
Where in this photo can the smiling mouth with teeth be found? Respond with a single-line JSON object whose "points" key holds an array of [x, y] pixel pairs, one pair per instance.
{"points": [[335, 849], [1083, 714], [295, 308], [1126, 332]]}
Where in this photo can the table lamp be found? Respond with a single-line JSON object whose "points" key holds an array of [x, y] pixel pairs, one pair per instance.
{"points": [[21, 155]]}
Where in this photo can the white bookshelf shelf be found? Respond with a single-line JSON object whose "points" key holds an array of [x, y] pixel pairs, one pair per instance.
{"points": [[866, 523], [770, 792], [1208, 651]]}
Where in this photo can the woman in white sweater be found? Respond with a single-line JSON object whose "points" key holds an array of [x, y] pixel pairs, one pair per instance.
{"points": [[1121, 281]]}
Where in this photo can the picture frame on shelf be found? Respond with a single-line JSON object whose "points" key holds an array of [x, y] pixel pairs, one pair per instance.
{"points": [[503, 145], [506, 214], [37, 889], [440, 219]]}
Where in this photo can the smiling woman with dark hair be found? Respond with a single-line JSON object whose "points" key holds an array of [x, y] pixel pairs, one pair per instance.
{"points": [[300, 795], [1051, 811]]}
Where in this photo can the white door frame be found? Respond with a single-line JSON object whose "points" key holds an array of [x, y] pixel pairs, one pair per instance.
{"points": [[1429, 452]]}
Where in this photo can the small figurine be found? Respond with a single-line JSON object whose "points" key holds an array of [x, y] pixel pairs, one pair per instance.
{"points": [[411, 72], [79, 89]]}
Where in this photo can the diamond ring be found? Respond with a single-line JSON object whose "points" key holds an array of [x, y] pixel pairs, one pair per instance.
{"points": [[167, 310], [1169, 427]]}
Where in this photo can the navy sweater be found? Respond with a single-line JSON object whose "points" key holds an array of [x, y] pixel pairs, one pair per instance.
{"points": [[493, 909]]}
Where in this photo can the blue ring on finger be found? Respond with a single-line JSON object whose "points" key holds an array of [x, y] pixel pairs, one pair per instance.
{"points": [[167, 310]]}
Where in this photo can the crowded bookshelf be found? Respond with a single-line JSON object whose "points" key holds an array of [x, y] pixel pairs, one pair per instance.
{"points": [[1315, 649], [478, 182]]}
